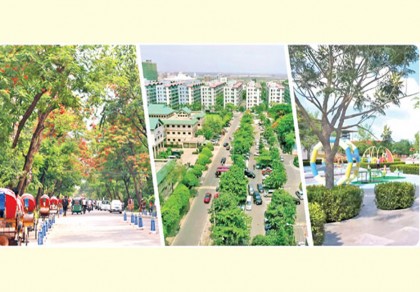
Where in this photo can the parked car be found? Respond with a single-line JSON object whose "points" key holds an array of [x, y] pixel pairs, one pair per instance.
{"points": [[269, 192], [116, 206], [223, 160], [225, 144], [249, 173], [257, 198], [281, 158], [105, 205], [257, 154], [260, 189], [299, 194], [248, 204], [251, 189], [266, 171], [228, 147], [207, 198], [216, 195]]}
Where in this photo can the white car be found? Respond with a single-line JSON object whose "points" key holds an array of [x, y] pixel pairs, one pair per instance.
{"points": [[105, 206], [116, 206], [248, 204]]}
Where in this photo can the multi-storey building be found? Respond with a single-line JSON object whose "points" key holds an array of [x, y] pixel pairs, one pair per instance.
{"points": [[151, 91], [179, 126], [150, 70], [157, 130], [209, 93], [253, 94], [232, 93], [168, 94], [275, 93], [189, 93]]}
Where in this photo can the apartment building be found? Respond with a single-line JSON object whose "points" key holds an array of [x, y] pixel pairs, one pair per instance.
{"points": [[209, 93], [168, 94], [151, 91], [253, 94], [232, 93], [189, 93], [275, 93]]}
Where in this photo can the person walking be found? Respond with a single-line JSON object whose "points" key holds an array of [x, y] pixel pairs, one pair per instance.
{"points": [[65, 205]]}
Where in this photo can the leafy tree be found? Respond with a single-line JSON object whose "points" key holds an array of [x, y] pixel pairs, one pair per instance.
{"points": [[401, 147], [232, 227], [190, 179], [347, 85], [286, 93], [386, 136]]}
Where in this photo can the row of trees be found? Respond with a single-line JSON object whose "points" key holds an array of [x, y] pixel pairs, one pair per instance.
{"points": [[230, 225], [73, 119]]}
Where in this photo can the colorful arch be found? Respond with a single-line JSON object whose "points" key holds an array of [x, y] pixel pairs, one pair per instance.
{"points": [[352, 153]]}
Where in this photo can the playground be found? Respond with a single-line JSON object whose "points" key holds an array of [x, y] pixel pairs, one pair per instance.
{"points": [[371, 226]]}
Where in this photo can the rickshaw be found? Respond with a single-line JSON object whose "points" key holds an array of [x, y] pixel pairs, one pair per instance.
{"points": [[44, 206], [11, 218], [29, 221], [54, 205], [76, 205]]}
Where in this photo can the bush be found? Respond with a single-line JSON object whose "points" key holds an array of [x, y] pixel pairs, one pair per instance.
{"points": [[296, 161], [206, 151], [318, 219], [307, 162], [406, 168], [395, 195], [174, 208], [190, 179], [381, 165], [339, 203], [198, 170]]}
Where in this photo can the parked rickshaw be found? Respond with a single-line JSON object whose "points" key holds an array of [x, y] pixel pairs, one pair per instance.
{"points": [[44, 206], [54, 205], [29, 220], [76, 205], [11, 218]]}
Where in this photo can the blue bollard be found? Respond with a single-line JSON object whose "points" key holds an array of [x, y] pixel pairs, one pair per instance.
{"points": [[40, 238], [44, 229], [125, 216], [135, 220], [61, 211], [141, 223], [152, 226], [132, 218]]}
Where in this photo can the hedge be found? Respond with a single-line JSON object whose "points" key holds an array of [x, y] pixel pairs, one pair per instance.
{"points": [[339, 203], [307, 162], [395, 195], [296, 161], [381, 165], [174, 208], [406, 168], [318, 219]]}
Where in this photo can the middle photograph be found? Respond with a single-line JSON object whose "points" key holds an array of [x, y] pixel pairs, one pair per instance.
{"points": [[224, 146]]}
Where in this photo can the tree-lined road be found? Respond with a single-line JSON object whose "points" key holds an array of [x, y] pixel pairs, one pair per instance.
{"points": [[197, 218], [99, 229]]}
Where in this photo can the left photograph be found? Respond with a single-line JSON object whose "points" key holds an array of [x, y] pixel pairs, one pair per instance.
{"points": [[74, 158]]}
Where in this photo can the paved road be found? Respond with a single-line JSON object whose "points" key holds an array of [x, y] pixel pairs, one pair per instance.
{"points": [[292, 185], [99, 229], [195, 222]]}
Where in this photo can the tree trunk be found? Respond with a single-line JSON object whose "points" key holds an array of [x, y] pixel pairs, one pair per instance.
{"points": [[33, 149], [41, 189], [329, 168], [26, 116]]}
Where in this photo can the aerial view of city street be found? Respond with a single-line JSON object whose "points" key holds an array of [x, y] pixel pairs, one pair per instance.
{"points": [[223, 139], [74, 157], [357, 110]]}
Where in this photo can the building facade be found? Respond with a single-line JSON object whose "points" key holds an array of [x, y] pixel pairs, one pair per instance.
{"points": [[151, 91], [232, 93], [253, 94], [209, 94], [168, 94], [150, 70], [157, 131], [275, 93], [189, 93]]}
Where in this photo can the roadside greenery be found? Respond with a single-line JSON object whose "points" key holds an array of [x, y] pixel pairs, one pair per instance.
{"points": [[318, 219], [395, 195], [174, 208]]}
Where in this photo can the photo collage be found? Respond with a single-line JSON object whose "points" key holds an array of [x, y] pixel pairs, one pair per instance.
{"points": [[209, 145]]}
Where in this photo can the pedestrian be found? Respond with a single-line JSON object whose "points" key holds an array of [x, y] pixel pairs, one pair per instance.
{"points": [[65, 205], [377, 163]]}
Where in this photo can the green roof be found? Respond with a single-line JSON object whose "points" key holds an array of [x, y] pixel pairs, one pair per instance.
{"points": [[198, 114], [163, 172], [159, 109], [185, 109], [179, 122], [153, 123]]}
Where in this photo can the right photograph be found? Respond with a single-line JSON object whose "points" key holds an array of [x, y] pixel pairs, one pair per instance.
{"points": [[357, 109]]}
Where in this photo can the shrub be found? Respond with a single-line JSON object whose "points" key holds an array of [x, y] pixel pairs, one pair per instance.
{"points": [[406, 168], [190, 179], [296, 161], [395, 195], [318, 219], [206, 151], [203, 160], [339, 203], [210, 146], [198, 170], [307, 162]]}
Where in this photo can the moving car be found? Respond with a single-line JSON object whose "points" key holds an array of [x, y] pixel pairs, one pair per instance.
{"points": [[299, 194], [223, 160], [225, 144], [249, 173], [105, 206], [257, 198], [228, 147], [116, 206], [207, 198]]}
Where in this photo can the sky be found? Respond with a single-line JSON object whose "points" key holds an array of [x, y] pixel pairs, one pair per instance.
{"points": [[403, 120], [257, 59]]}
